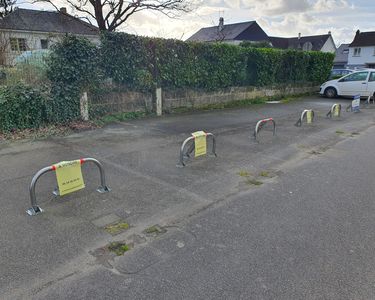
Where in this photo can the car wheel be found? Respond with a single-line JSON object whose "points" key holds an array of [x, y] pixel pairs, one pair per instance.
{"points": [[330, 92]]}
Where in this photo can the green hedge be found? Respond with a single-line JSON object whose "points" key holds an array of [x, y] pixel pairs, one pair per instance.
{"points": [[73, 66], [21, 106], [141, 63]]}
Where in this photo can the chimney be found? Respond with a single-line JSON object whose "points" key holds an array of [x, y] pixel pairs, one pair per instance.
{"points": [[299, 35], [329, 32], [221, 24], [358, 32], [63, 10]]}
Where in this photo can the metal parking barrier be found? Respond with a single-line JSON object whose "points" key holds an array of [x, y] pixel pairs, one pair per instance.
{"points": [[260, 125], [335, 111], [368, 101], [355, 105], [193, 148], [308, 114], [35, 209]]}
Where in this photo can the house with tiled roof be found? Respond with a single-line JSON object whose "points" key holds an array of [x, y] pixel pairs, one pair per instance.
{"points": [[322, 43], [30, 30], [230, 33], [362, 50], [252, 32]]}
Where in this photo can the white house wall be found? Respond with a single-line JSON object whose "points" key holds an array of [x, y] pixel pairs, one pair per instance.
{"points": [[366, 57], [329, 46], [33, 42]]}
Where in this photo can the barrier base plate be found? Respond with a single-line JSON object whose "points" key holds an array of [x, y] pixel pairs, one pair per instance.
{"points": [[34, 211], [103, 190]]}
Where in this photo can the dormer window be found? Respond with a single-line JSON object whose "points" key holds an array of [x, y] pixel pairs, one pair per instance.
{"points": [[357, 52]]}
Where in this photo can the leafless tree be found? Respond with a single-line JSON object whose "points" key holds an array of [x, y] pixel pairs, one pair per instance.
{"points": [[110, 14], [6, 7]]}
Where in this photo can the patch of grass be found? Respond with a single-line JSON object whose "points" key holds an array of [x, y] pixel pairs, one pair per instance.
{"points": [[116, 228], [119, 117], [155, 229], [253, 182], [152, 229], [265, 174], [118, 248], [243, 173], [354, 133], [231, 104], [292, 98], [182, 109], [340, 132], [287, 100]]}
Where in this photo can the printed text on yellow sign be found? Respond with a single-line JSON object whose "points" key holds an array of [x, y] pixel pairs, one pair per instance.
{"points": [[200, 143], [69, 177]]}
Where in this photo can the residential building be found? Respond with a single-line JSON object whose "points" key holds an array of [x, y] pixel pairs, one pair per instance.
{"points": [[231, 33], [251, 31], [323, 43], [362, 50], [28, 30], [341, 57]]}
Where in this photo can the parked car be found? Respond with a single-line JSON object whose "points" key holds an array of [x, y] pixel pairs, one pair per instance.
{"points": [[357, 83], [338, 73]]}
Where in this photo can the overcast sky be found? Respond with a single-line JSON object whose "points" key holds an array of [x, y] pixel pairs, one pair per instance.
{"points": [[276, 17]]}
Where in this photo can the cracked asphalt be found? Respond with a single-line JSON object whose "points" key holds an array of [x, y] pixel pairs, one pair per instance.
{"points": [[290, 217]]}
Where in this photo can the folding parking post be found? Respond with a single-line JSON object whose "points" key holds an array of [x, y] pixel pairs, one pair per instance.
{"points": [[69, 181], [355, 105], [335, 111], [371, 96], [308, 114], [197, 143], [260, 125]]}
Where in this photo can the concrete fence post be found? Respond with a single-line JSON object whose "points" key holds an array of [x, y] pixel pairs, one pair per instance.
{"points": [[159, 101], [84, 105]]}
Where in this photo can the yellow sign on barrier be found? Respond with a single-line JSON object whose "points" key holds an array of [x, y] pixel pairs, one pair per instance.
{"points": [[309, 117], [69, 176], [336, 112], [200, 143]]}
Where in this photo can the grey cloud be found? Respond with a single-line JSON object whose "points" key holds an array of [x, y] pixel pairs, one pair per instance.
{"points": [[287, 6]]}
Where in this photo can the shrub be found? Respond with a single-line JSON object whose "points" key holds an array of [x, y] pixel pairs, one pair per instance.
{"points": [[123, 57], [72, 67], [133, 61], [21, 106], [140, 63]]}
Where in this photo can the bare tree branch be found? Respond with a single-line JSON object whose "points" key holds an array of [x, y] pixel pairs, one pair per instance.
{"points": [[110, 14], [6, 7]]}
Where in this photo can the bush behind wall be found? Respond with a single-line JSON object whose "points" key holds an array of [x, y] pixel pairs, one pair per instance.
{"points": [[141, 63]]}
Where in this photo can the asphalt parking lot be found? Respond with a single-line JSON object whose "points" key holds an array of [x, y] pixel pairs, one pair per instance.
{"points": [[49, 254]]}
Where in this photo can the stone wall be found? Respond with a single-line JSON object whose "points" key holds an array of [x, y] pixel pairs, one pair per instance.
{"points": [[115, 102], [196, 99]]}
